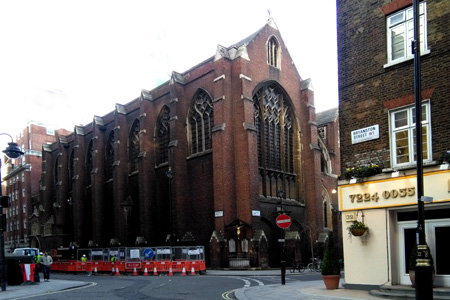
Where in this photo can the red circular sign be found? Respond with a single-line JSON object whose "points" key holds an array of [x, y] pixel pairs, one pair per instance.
{"points": [[283, 221]]}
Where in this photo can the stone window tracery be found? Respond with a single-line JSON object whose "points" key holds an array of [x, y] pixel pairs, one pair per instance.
{"points": [[89, 162], [274, 125], [109, 156], [134, 147], [163, 135], [56, 175], [201, 121], [71, 168]]}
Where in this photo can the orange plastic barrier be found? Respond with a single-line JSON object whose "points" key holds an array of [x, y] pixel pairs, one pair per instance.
{"points": [[124, 266], [84, 267], [163, 266], [177, 266]]}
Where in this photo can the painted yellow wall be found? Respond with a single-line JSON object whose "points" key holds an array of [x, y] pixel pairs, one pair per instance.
{"points": [[366, 258]]}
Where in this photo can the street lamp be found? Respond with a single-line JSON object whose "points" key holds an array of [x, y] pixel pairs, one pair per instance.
{"points": [[280, 194], [169, 174], [12, 151], [424, 286]]}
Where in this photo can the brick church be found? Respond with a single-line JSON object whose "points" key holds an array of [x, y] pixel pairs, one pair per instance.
{"points": [[211, 158]]}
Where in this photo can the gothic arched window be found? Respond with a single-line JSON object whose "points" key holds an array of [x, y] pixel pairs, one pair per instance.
{"points": [[326, 206], [163, 136], [56, 174], [273, 52], [201, 121], [274, 124], [109, 156], [89, 163], [133, 146], [325, 161], [71, 168]]}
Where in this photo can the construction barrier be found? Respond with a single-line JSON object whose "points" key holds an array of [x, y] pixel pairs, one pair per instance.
{"points": [[136, 261], [28, 272]]}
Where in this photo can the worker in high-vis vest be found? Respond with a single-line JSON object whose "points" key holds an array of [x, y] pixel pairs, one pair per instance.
{"points": [[84, 258], [38, 258]]}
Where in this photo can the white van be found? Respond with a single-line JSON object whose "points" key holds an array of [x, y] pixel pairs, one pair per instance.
{"points": [[26, 251]]}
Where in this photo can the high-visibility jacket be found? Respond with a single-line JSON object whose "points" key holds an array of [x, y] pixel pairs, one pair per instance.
{"points": [[38, 258], [83, 259]]}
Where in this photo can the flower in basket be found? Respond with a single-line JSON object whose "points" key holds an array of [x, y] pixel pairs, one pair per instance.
{"points": [[362, 171], [357, 228]]}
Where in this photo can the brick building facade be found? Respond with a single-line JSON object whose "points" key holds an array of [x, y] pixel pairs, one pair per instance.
{"points": [[201, 159], [21, 177], [377, 128]]}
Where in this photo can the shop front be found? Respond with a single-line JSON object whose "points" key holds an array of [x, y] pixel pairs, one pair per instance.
{"points": [[388, 208]]}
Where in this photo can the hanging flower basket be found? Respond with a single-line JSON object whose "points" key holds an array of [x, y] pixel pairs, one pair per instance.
{"points": [[358, 231], [357, 228]]}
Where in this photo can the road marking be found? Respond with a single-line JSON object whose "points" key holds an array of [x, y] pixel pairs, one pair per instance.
{"points": [[226, 295]]}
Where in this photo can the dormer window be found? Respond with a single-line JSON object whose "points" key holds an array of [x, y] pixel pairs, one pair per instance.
{"points": [[273, 52]]}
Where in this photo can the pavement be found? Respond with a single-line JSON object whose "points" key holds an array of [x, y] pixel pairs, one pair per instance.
{"points": [[27, 290], [293, 289]]}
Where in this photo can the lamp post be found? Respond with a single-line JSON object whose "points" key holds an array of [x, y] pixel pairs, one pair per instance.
{"points": [[282, 241], [12, 151], [169, 174], [424, 286]]}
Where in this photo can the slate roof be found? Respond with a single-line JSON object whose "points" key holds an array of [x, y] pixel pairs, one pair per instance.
{"points": [[327, 116]]}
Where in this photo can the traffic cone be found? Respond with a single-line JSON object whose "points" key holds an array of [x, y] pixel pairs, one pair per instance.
{"points": [[192, 271], [183, 273], [117, 271], [155, 272], [145, 271], [170, 271], [134, 272], [95, 270]]}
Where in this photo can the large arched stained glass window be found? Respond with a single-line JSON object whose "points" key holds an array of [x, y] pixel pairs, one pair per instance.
{"points": [[56, 172], [109, 156], [71, 168], [134, 147], [201, 121], [89, 162], [163, 136], [274, 124]]}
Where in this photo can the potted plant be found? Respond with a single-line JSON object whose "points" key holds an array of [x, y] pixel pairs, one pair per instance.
{"points": [[446, 157], [331, 269], [412, 265], [357, 228], [445, 160]]}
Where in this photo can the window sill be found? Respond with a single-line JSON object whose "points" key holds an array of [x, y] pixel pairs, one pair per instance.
{"points": [[401, 60], [410, 166], [199, 154]]}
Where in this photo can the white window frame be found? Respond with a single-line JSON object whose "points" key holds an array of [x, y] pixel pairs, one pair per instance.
{"points": [[403, 21], [410, 129]]}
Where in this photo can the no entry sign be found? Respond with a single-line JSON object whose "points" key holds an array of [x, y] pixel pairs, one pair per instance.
{"points": [[283, 221]]}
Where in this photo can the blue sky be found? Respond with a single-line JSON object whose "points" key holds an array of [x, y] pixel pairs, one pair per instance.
{"points": [[62, 62]]}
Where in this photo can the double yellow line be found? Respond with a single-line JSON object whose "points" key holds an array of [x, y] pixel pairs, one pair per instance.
{"points": [[226, 295]]}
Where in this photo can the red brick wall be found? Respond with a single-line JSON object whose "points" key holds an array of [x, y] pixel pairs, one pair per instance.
{"points": [[366, 87]]}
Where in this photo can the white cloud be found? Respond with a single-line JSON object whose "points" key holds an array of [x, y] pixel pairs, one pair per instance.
{"points": [[98, 53]]}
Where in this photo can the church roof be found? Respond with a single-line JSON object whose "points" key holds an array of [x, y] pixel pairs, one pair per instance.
{"points": [[327, 116], [248, 39]]}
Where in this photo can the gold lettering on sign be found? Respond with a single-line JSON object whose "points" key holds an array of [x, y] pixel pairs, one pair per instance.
{"points": [[367, 197]]}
